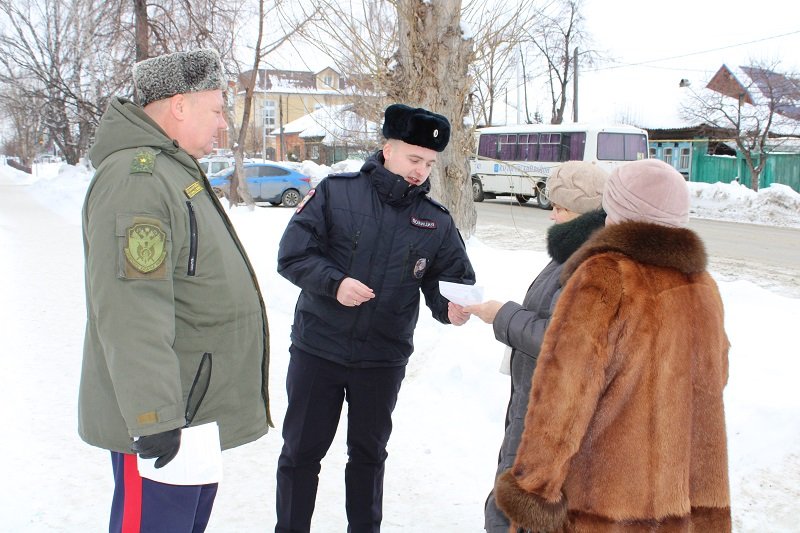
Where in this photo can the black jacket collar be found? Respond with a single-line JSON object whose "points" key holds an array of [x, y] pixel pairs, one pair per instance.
{"points": [[392, 188], [563, 239]]}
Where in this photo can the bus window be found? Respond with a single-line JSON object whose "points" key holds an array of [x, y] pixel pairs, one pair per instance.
{"points": [[527, 146], [487, 146], [635, 147], [572, 146], [507, 147], [549, 144], [621, 146]]}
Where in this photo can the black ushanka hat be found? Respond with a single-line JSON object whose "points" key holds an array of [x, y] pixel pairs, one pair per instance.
{"points": [[416, 126]]}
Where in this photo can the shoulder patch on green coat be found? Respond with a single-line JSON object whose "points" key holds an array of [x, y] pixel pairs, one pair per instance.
{"points": [[144, 161]]}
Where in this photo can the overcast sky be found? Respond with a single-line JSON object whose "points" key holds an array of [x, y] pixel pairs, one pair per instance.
{"points": [[648, 47], [699, 36]]}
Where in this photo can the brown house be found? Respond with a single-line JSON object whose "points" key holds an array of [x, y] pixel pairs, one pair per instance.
{"points": [[282, 96]]}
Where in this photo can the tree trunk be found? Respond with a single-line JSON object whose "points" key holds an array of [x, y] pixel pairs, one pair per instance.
{"points": [[433, 58], [141, 29]]}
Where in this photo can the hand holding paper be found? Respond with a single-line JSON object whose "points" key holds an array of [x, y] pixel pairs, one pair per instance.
{"points": [[461, 294]]}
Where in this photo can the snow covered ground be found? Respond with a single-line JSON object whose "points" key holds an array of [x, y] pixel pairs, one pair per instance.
{"points": [[449, 419]]}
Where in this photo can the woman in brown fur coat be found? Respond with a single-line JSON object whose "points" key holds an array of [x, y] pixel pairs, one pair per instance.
{"points": [[626, 429]]}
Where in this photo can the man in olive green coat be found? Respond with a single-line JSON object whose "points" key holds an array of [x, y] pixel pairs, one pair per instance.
{"points": [[176, 330]]}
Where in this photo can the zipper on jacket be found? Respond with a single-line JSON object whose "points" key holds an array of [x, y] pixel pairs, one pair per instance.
{"points": [[406, 262], [353, 251], [192, 267]]}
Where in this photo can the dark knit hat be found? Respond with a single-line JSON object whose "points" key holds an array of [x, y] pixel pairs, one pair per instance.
{"points": [[648, 190], [416, 126], [577, 185], [179, 73]]}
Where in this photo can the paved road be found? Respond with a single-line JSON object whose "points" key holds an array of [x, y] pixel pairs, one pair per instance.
{"points": [[766, 255]]}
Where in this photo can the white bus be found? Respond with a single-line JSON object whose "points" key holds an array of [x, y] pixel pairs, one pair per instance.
{"points": [[516, 160]]}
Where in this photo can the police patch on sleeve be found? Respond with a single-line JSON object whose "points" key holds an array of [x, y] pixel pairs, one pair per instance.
{"points": [[307, 198], [145, 247]]}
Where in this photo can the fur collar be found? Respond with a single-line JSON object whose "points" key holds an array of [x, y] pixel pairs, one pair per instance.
{"points": [[643, 242], [564, 239]]}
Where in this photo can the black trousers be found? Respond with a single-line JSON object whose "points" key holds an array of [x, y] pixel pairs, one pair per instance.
{"points": [[316, 390]]}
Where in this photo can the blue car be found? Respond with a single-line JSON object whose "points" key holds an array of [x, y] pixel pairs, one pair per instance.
{"points": [[267, 182]]}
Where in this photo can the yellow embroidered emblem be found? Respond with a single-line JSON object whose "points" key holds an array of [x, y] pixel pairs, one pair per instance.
{"points": [[146, 247], [143, 161], [193, 190]]}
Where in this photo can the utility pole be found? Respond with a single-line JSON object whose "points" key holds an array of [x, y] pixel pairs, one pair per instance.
{"points": [[282, 141], [575, 86], [264, 118]]}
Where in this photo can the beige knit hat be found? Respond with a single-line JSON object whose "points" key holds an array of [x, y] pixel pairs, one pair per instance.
{"points": [[179, 73], [647, 191], [577, 185]]}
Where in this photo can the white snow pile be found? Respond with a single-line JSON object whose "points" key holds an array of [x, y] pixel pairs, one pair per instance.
{"points": [[776, 205]]}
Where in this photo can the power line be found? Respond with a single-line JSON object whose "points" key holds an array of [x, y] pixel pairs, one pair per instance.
{"points": [[623, 65]]}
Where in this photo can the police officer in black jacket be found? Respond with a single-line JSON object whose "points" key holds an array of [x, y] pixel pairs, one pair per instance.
{"points": [[361, 246]]}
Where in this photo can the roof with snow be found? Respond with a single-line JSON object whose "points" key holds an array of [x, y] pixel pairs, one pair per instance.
{"points": [[335, 123], [749, 83]]}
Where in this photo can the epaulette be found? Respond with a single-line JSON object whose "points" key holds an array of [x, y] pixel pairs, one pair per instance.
{"points": [[144, 161], [345, 175], [437, 204]]}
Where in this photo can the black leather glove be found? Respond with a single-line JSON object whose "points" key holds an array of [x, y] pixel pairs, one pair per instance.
{"points": [[164, 445]]}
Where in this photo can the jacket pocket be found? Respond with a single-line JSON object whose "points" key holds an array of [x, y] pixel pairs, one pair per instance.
{"points": [[353, 250], [199, 388], [415, 264]]}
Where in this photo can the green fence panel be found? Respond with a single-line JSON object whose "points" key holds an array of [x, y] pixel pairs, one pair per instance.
{"points": [[714, 168], [780, 168]]}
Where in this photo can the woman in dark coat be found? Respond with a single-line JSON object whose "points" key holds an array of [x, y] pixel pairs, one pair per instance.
{"points": [[575, 190]]}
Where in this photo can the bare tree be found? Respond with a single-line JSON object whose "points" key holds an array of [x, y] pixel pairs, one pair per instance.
{"points": [[360, 39], [25, 117], [501, 29], [560, 33], [759, 104], [67, 55], [238, 190]]}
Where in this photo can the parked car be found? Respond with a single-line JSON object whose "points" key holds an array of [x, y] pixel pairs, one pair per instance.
{"points": [[214, 164], [266, 182]]}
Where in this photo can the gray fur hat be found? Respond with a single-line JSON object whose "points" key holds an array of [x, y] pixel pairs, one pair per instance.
{"points": [[179, 73]]}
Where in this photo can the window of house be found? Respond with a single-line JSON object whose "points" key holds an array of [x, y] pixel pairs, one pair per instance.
{"points": [[270, 112], [683, 163], [666, 155], [327, 79], [653, 153]]}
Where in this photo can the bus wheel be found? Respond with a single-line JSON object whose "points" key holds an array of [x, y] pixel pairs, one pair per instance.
{"points": [[477, 190], [522, 198], [541, 197]]}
